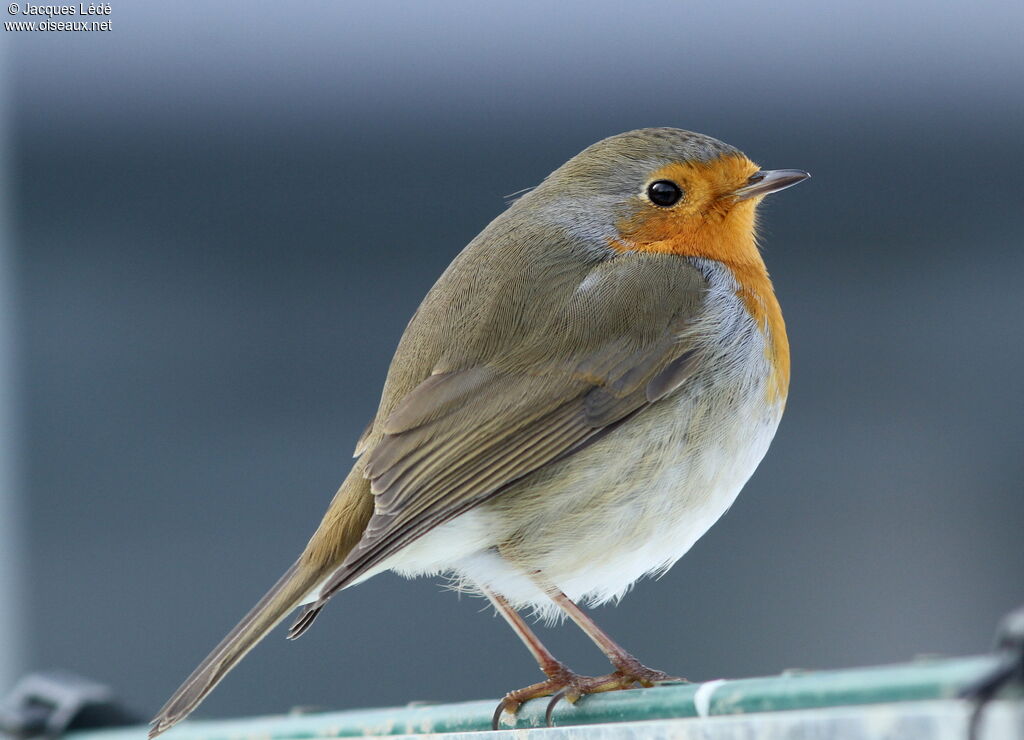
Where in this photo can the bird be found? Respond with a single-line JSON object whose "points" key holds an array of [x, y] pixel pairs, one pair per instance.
{"points": [[578, 398]]}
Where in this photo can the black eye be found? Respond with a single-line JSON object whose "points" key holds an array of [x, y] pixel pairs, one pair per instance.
{"points": [[664, 193]]}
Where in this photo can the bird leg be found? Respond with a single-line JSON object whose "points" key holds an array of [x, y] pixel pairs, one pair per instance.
{"points": [[560, 677], [625, 663], [563, 683], [629, 672]]}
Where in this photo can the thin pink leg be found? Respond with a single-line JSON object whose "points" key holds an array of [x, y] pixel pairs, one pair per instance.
{"points": [[547, 662], [627, 666]]}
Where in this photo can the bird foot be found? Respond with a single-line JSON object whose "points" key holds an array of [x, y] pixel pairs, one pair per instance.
{"points": [[565, 684], [559, 677]]}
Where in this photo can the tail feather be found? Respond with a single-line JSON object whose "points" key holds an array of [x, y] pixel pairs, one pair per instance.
{"points": [[304, 621], [284, 596]]}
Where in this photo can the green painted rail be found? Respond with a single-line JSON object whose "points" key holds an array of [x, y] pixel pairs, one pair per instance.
{"points": [[921, 680]]}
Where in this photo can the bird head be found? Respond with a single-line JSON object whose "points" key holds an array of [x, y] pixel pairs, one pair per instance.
{"points": [[663, 190]]}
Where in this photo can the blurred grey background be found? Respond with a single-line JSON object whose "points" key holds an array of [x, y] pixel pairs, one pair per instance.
{"points": [[223, 214]]}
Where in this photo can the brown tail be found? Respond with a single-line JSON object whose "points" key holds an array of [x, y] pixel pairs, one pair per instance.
{"points": [[285, 595]]}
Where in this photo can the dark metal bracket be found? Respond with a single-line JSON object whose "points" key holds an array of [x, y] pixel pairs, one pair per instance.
{"points": [[49, 703]]}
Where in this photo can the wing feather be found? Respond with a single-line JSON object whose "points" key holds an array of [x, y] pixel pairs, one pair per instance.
{"points": [[556, 380]]}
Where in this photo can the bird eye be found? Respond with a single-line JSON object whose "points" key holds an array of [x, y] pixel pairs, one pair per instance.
{"points": [[664, 193]]}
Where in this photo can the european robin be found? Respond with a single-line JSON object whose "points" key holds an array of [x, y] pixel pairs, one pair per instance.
{"points": [[580, 396]]}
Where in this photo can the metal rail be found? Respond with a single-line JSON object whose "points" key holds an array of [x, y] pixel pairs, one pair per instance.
{"points": [[921, 682]]}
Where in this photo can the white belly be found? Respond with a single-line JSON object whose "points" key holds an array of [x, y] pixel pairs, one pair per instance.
{"points": [[615, 517]]}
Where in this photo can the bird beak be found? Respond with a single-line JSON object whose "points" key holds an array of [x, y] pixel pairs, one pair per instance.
{"points": [[764, 182]]}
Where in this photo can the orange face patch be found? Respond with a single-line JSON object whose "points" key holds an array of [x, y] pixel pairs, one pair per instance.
{"points": [[708, 223]]}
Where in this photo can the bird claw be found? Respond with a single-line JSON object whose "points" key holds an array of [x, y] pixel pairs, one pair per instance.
{"points": [[630, 667], [561, 683], [514, 699], [571, 696], [499, 710], [572, 687]]}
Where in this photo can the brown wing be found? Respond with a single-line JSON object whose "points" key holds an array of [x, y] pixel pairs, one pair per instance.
{"points": [[619, 342], [505, 428]]}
